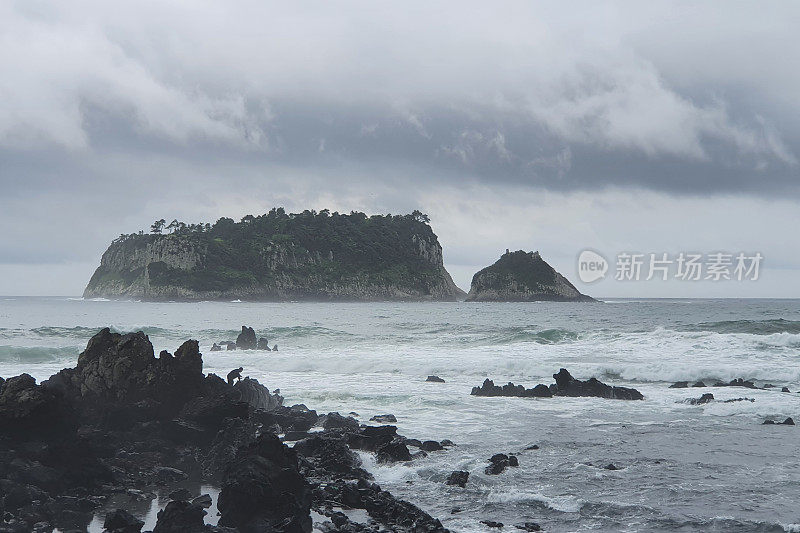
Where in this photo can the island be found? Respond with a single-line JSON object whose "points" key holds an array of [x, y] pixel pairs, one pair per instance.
{"points": [[522, 277], [279, 256]]}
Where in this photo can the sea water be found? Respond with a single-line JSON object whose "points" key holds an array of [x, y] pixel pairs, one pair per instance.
{"points": [[711, 467]]}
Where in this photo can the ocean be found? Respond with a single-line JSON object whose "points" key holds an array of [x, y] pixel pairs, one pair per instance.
{"points": [[681, 467]]}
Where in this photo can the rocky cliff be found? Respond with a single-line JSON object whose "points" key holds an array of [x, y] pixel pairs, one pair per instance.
{"points": [[279, 256], [522, 277]]}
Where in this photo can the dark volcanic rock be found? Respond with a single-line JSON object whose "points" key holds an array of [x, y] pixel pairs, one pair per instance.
{"points": [[699, 384], [431, 446], [499, 462], [181, 517], [263, 344], [679, 385], [257, 395], [705, 398], [492, 523], [434, 379], [121, 521], [788, 422], [384, 419], [337, 421], [565, 385], [246, 339], [459, 478], [738, 382], [216, 347], [264, 490], [529, 526], [28, 410], [490, 389]]}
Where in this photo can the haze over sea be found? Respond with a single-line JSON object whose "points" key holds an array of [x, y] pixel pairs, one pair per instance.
{"points": [[710, 467]]}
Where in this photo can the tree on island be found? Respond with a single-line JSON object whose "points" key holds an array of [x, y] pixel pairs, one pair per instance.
{"points": [[157, 226]]}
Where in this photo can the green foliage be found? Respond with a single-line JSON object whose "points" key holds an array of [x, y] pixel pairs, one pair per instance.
{"points": [[527, 269], [328, 248]]}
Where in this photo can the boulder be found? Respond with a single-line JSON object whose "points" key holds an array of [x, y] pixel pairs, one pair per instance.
{"points": [[257, 395], [247, 339], [264, 490], [263, 344], [499, 462], [699, 384], [181, 517], [679, 385], [121, 521], [529, 526], [434, 379], [492, 523], [384, 419], [459, 478], [431, 446], [216, 347], [337, 421], [738, 382]]}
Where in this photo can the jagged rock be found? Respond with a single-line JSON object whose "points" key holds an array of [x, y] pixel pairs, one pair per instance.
{"points": [[394, 451], [216, 347], [679, 385], [459, 478], [257, 395], [263, 344], [490, 389], [738, 382], [699, 384], [204, 501], [337, 421], [785, 389], [121, 521], [499, 462], [705, 398], [264, 490], [434, 379], [384, 419], [246, 339], [327, 453], [565, 385], [788, 422]]}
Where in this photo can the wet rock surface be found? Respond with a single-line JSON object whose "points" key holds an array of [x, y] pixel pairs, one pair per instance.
{"points": [[126, 421], [565, 385]]}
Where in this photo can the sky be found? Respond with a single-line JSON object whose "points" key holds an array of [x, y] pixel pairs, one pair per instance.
{"points": [[648, 127]]}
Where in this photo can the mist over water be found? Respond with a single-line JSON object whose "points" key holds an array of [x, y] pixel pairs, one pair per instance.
{"points": [[711, 467]]}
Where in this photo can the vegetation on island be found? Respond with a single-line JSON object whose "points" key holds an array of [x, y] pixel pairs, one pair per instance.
{"points": [[327, 247]]}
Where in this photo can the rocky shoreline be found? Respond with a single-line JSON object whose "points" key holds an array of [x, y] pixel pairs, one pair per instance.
{"points": [[126, 422]]}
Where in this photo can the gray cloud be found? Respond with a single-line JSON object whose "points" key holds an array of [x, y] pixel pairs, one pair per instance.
{"points": [[112, 115]]}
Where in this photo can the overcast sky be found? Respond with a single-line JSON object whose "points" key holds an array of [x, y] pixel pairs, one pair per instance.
{"points": [[636, 126]]}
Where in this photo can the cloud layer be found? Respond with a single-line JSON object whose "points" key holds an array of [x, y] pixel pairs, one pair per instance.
{"points": [[112, 114]]}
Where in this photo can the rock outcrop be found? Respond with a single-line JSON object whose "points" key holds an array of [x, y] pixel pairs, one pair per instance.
{"points": [[522, 277], [124, 420], [280, 256], [565, 385]]}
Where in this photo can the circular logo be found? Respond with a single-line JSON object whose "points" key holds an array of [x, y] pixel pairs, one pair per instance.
{"points": [[591, 266]]}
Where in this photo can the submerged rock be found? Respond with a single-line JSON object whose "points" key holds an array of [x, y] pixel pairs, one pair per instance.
{"points": [[263, 344], [679, 385], [499, 462], [738, 382], [705, 398], [788, 422], [434, 379], [459, 478], [216, 347]]}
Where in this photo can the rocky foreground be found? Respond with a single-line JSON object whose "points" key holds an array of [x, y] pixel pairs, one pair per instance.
{"points": [[124, 420]]}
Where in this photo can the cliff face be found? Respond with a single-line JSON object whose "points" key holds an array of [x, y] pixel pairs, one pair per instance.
{"points": [[280, 257], [522, 277]]}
